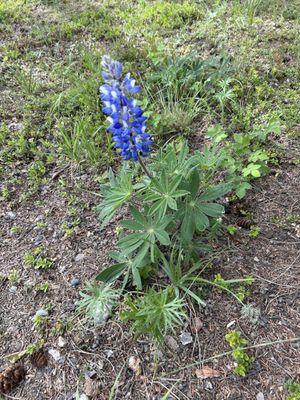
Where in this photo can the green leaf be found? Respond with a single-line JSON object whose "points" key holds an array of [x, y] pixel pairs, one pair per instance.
{"points": [[241, 189], [111, 273], [194, 183], [118, 192], [211, 209], [137, 280], [187, 228], [216, 192], [163, 194], [138, 216], [172, 203], [201, 221], [163, 237], [252, 169], [130, 224]]}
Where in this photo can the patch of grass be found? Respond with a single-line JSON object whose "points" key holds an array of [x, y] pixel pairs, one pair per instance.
{"points": [[162, 16], [11, 10], [294, 390]]}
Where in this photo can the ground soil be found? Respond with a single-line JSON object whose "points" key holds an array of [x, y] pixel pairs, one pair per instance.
{"points": [[272, 259]]}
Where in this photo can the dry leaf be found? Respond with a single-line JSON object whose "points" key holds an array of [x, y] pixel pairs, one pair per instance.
{"points": [[92, 387], [207, 372], [196, 325], [134, 364]]}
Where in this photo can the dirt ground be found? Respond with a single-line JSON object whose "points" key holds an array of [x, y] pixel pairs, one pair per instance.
{"points": [[272, 259]]}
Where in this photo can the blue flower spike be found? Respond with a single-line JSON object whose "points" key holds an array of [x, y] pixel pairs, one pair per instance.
{"points": [[127, 122]]}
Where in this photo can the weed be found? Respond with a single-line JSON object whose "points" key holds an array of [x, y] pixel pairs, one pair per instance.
{"points": [[36, 172], [97, 301], [37, 259], [13, 276], [250, 313], [155, 313], [83, 144], [242, 359], [294, 390], [231, 229], [5, 194], [27, 81], [254, 232], [42, 287], [16, 230]]}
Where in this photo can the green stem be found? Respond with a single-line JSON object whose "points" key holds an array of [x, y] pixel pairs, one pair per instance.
{"points": [[144, 168], [195, 279]]}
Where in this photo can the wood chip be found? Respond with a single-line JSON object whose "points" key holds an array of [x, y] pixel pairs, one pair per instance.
{"points": [[207, 372]]}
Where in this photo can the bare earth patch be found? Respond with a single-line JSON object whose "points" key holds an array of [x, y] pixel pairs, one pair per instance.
{"points": [[272, 258]]}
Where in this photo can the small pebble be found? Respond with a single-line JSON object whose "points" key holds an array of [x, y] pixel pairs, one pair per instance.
{"points": [[13, 289], [55, 354], [91, 374], [38, 240], [79, 257], [260, 396], [61, 342], [11, 215], [186, 338], [75, 282], [230, 324], [108, 353], [41, 313]]}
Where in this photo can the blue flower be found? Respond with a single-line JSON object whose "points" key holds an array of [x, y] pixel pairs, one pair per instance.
{"points": [[127, 122]]}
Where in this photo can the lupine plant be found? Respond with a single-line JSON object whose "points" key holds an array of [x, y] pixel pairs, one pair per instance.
{"points": [[172, 198]]}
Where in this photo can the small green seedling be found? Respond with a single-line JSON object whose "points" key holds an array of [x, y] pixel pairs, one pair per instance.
{"points": [[254, 231], [15, 230], [42, 287], [13, 276], [36, 172], [40, 320], [231, 229], [242, 359], [36, 259]]}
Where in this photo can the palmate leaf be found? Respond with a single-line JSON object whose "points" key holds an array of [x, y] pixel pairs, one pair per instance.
{"points": [[196, 210], [147, 231], [175, 160], [164, 194], [118, 192]]}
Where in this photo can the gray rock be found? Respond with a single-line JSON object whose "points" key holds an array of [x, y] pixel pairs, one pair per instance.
{"points": [[38, 239], [13, 289], [186, 338], [260, 396], [75, 282], [55, 354], [79, 257], [42, 313], [11, 215], [61, 342]]}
